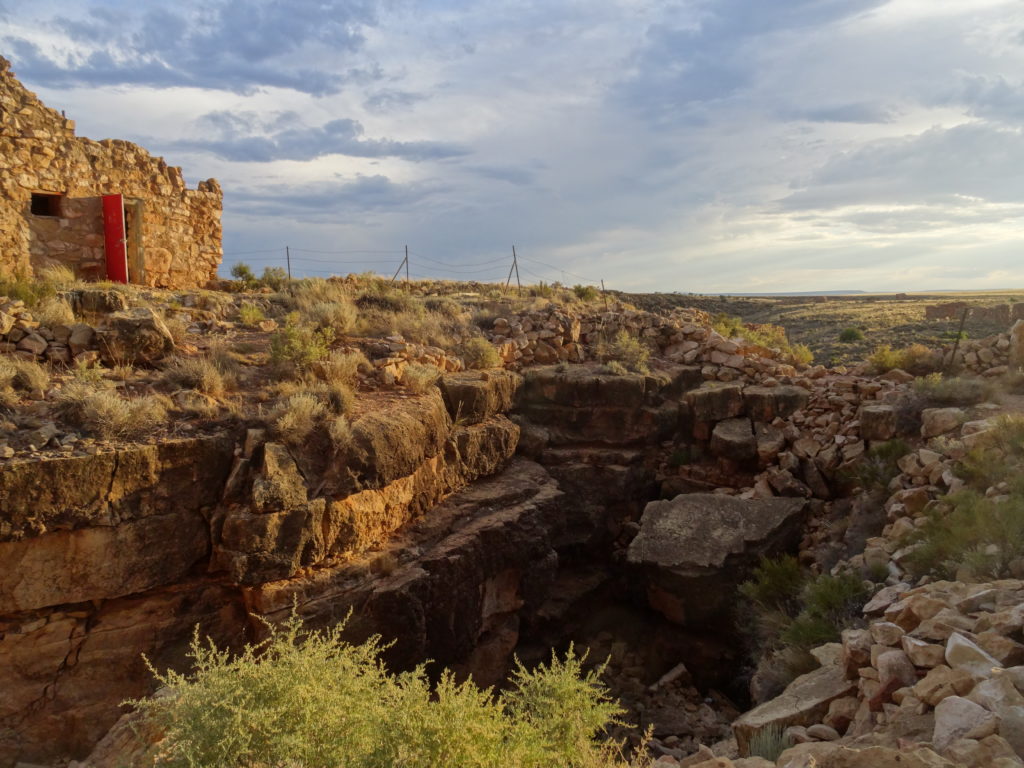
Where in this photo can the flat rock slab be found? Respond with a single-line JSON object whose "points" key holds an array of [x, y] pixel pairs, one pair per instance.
{"points": [[694, 549], [804, 702]]}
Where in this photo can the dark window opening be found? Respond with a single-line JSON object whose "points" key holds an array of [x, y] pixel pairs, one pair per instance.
{"points": [[46, 205]]}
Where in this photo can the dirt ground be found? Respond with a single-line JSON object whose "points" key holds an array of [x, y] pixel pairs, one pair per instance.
{"points": [[817, 321]]}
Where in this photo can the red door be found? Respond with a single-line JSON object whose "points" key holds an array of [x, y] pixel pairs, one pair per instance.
{"points": [[113, 233]]}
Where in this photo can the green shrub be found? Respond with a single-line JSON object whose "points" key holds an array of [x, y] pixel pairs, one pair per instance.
{"points": [[295, 347], [479, 353], [630, 352], [729, 326], [243, 273], [541, 290], [337, 316], [793, 611], [997, 455], [848, 335], [250, 314], [274, 278], [916, 359], [971, 536], [315, 700], [585, 292]]}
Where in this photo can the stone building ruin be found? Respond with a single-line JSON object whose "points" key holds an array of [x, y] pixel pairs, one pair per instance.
{"points": [[106, 209]]}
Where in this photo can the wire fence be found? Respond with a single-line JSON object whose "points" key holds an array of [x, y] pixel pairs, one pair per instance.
{"points": [[413, 265]]}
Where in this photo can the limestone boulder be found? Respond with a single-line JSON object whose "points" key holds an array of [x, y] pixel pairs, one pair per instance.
{"points": [[472, 396], [734, 439], [877, 422], [716, 401], [135, 337], [940, 421], [767, 403], [693, 550]]}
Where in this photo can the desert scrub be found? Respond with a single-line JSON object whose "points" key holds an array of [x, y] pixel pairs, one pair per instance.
{"points": [[629, 351], [877, 467], [295, 417], [199, 373], [764, 335], [997, 455], [250, 314], [916, 359], [969, 537], [585, 292], [937, 391], [295, 347], [419, 378], [313, 699], [849, 335], [344, 367], [793, 611], [103, 412], [479, 353], [336, 316], [23, 375]]}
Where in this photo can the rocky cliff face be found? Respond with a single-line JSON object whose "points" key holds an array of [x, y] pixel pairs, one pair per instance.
{"points": [[122, 553]]}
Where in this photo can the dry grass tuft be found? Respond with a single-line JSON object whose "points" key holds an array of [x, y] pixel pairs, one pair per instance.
{"points": [[53, 311], [105, 413], [419, 378], [478, 352], [295, 418], [199, 373]]}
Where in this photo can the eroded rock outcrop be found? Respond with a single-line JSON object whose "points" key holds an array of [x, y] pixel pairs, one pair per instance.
{"points": [[695, 549]]}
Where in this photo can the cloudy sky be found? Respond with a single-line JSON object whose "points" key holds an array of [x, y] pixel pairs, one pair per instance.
{"points": [[690, 145]]}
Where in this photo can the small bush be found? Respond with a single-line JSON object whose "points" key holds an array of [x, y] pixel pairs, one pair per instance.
{"points": [[442, 305], [243, 273], [296, 417], [630, 352], [937, 391], [28, 289], [542, 290], [848, 335], [585, 292], [108, 415], [295, 347], [274, 278], [997, 455], [479, 353], [794, 611], [337, 316], [916, 359], [250, 314], [728, 326], [313, 699], [344, 366], [971, 536], [419, 378]]}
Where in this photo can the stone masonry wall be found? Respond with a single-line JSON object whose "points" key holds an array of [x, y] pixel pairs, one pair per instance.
{"points": [[39, 153]]}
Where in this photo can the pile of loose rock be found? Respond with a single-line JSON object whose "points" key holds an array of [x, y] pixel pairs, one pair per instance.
{"points": [[989, 356], [938, 669], [557, 335]]}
